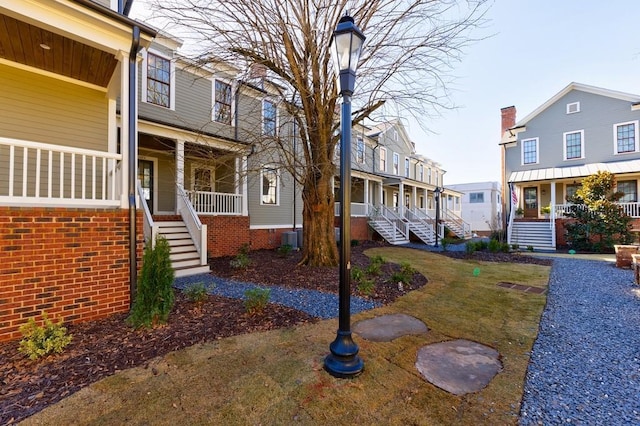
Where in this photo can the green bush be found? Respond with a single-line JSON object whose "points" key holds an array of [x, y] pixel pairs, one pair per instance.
{"points": [[42, 340], [355, 243], [198, 292], [529, 248], [505, 248], [445, 243], [404, 275], [154, 299], [515, 247], [374, 269], [256, 299], [357, 274], [242, 260], [378, 259], [494, 246], [366, 286], [285, 250], [406, 268], [482, 245], [471, 247]]}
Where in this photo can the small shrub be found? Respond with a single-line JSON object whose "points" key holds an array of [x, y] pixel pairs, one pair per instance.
{"points": [[374, 269], [505, 247], [529, 248], [494, 246], [445, 243], [198, 292], [366, 286], [482, 245], [354, 243], [515, 247], [285, 250], [471, 247], [42, 340], [406, 268], [241, 261], [404, 275], [154, 299], [256, 299], [357, 274], [378, 259]]}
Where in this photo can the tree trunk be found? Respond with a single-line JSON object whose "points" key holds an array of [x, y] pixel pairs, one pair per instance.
{"points": [[319, 244]]}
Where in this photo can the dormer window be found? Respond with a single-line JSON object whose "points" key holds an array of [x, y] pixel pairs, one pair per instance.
{"points": [[573, 107]]}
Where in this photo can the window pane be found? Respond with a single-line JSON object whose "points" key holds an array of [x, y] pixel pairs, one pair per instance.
{"points": [[574, 145], [626, 136], [269, 186], [269, 118], [476, 197], [529, 152], [222, 106], [158, 80], [629, 188]]}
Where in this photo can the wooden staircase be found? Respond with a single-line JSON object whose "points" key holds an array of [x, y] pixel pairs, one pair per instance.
{"points": [[421, 225], [536, 234], [388, 230], [185, 257]]}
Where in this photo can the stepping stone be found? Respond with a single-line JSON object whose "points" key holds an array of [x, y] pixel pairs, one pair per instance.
{"points": [[389, 327], [458, 366]]}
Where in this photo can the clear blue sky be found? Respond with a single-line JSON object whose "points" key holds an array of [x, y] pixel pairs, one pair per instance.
{"points": [[539, 47]]}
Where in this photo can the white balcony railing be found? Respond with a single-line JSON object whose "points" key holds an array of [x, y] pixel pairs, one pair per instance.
{"points": [[215, 203], [34, 173], [562, 210], [357, 209]]}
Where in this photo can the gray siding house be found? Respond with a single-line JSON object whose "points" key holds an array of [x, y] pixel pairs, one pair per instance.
{"points": [[579, 131]]}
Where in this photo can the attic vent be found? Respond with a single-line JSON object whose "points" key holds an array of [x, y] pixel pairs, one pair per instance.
{"points": [[573, 107]]}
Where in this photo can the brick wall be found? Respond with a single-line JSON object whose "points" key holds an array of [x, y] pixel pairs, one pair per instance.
{"points": [[71, 263], [359, 228], [226, 234]]}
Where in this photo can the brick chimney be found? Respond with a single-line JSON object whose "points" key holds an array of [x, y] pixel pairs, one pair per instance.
{"points": [[508, 118]]}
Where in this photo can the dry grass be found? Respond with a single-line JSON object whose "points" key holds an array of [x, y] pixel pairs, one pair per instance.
{"points": [[277, 377]]}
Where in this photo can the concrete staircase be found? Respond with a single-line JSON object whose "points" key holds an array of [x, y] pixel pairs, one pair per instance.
{"points": [[536, 234], [185, 258]]}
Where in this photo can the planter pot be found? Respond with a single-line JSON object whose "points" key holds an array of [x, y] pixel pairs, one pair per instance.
{"points": [[624, 253]]}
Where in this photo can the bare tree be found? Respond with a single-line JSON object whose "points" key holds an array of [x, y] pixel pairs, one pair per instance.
{"points": [[410, 48]]}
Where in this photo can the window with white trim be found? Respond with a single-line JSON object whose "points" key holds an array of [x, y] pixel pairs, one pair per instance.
{"points": [[406, 167], [222, 102], [203, 179], [630, 190], [158, 74], [421, 173], [429, 175], [476, 197], [270, 181], [396, 164], [383, 159], [574, 145], [269, 118], [573, 107], [360, 150], [530, 151], [570, 190], [625, 136]]}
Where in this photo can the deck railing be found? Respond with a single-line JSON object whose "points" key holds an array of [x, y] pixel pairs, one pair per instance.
{"points": [[34, 173], [357, 209], [215, 203], [562, 210], [196, 229]]}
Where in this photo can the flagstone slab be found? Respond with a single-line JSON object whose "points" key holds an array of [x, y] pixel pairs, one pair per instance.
{"points": [[386, 328], [458, 366]]}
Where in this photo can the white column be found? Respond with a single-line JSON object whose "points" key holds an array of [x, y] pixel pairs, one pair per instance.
{"points": [[245, 195], [553, 200], [179, 169], [123, 58], [366, 193], [401, 199], [415, 197], [426, 200], [380, 191]]}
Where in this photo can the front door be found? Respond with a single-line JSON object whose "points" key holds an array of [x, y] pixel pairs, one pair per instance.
{"points": [[531, 202], [145, 175]]}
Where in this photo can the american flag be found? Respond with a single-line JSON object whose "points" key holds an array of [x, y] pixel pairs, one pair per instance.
{"points": [[514, 196]]}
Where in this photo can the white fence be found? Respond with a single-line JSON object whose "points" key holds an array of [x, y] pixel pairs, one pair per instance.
{"points": [[34, 173], [215, 203]]}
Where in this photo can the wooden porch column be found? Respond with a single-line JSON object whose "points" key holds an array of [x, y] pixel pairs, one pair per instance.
{"points": [[245, 195], [366, 192], [179, 168], [401, 199], [426, 199], [123, 59], [415, 197]]}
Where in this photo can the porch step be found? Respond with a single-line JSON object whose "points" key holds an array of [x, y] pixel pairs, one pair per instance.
{"points": [[388, 231], [184, 255], [422, 231], [535, 234]]}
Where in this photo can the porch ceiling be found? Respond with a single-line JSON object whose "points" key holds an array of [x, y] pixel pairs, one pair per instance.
{"points": [[22, 43], [617, 167]]}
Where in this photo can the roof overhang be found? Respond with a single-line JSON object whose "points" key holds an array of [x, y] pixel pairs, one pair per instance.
{"points": [[556, 173]]}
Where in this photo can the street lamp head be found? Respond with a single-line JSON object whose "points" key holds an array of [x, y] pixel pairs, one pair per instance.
{"points": [[346, 47]]}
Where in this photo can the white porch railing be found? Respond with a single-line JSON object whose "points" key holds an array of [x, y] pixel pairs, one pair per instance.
{"points": [[196, 229], [34, 173], [150, 230], [456, 221], [562, 210], [392, 216], [357, 209], [215, 203]]}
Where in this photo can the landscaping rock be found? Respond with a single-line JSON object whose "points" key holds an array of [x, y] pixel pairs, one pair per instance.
{"points": [[389, 327]]}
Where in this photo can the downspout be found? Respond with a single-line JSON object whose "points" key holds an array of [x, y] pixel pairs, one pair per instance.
{"points": [[133, 264]]}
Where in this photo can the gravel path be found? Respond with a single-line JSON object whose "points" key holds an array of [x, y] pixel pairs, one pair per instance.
{"points": [[585, 364], [315, 303]]}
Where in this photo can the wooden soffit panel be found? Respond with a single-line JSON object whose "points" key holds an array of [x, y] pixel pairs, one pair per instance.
{"points": [[39, 48]]}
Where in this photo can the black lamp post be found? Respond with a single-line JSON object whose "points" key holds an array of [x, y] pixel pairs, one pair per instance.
{"points": [[343, 361], [437, 193]]}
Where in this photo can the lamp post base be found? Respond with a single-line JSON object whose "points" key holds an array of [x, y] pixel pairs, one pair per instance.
{"points": [[343, 361]]}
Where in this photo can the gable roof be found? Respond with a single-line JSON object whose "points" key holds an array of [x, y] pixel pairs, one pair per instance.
{"points": [[629, 97]]}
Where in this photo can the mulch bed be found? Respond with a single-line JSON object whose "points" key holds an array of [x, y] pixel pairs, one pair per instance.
{"points": [[103, 347]]}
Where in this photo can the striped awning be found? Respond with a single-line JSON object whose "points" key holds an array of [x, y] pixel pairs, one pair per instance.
{"points": [[554, 173]]}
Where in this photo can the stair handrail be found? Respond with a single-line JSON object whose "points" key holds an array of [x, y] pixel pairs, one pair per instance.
{"points": [[196, 229], [415, 215], [149, 229], [465, 227], [396, 220]]}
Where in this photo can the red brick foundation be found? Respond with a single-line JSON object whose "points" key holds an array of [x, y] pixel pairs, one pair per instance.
{"points": [[359, 228], [70, 263], [226, 234]]}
